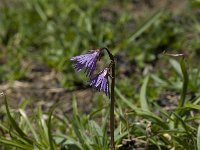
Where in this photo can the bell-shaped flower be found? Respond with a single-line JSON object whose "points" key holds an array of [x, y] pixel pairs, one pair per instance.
{"points": [[101, 82], [87, 61]]}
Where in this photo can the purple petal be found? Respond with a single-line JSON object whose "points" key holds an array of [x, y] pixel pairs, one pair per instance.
{"points": [[98, 81], [87, 61], [101, 82]]}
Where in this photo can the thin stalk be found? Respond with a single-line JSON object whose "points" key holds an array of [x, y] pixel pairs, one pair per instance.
{"points": [[112, 103], [182, 100], [112, 108], [185, 84]]}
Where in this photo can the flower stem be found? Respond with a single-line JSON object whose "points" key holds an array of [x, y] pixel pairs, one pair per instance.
{"points": [[112, 103], [112, 108]]}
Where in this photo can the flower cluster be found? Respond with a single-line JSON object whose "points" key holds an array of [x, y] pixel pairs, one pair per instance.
{"points": [[88, 62]]}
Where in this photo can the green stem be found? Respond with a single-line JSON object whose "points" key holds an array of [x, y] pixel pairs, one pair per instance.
{"points": [[112, 103], [185, 84], [180, 112]]}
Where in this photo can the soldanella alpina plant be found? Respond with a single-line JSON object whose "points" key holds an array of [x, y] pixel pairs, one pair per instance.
{"points": [[100, 81]]}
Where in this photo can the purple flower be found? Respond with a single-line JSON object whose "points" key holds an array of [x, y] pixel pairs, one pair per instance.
{"points": [[101, 82], [87, 61]]}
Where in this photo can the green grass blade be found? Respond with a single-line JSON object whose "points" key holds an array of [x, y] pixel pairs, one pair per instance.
{"points": [[145, 114], [120, 136], [28, 123], [145, 26], [97, 132], [105, 127], [70, 142], [198, 138], [78, 127], [185, 83], [192, 106], [15, 137], [84, 140], [126, 101], [42, 127], [176, 67], [51, 140], [152, 117], [40, 12], [15, 144], [143, 98], [74, 105], [187, 127], [159, 80], [15, 125], [180, 109]]}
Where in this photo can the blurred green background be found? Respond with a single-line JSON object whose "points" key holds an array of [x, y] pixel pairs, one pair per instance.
{"points": [[49, 32], [38, 38]]}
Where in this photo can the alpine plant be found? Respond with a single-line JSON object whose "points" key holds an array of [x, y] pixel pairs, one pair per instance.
{"points": [[100, 81], [88, 63]]}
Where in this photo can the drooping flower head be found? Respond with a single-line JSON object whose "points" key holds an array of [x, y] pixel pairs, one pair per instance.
{"points": [[87, 61], [101, 82]]}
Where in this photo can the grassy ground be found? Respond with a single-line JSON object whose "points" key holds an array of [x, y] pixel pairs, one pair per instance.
{"points": [[157, 94]]}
